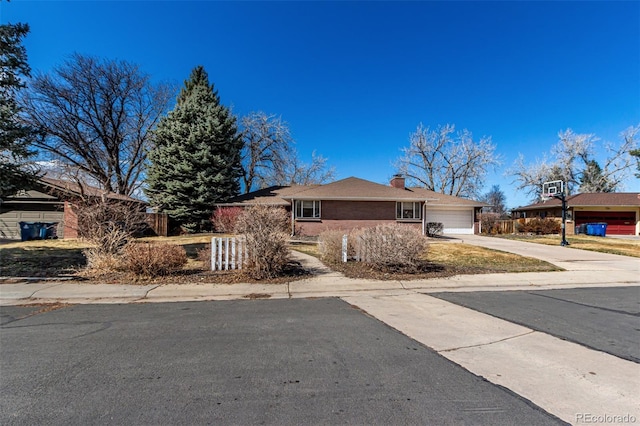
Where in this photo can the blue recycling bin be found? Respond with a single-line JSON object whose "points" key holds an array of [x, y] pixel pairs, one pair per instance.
{"points": [[48, 230], [601, 229], [29, 231], [597, 229]]}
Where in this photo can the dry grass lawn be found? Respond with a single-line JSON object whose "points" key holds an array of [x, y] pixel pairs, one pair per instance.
{"points": [[51, 258], [444, 259], [586, 242]]}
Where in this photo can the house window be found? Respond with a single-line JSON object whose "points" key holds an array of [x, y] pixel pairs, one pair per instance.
{"points": [[410, 210], [307, 209]]}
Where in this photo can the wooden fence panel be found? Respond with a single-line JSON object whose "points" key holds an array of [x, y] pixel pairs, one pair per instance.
{"points": [[159, 222]]}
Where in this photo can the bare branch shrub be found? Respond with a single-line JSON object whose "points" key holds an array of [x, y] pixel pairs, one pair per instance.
{"points": [[224, 219], [539, 226], [109, 224], [265, 229], [489, 223], [434, 229], [100, 262], [204, 256], [330, 246], [153, 259], [391, 246]]}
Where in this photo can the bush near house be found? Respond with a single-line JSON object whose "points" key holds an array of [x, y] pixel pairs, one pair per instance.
{"points": [[539, 226], [489, 223], [224, 219], [391, 246], [330, 246], [265, 229], [434, 229], [153, 259]]}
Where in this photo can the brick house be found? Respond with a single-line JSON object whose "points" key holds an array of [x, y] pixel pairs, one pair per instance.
{"points": [[619, 210], [356, 203]]}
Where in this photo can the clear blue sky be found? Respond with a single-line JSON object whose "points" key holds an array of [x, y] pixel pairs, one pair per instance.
{"points": [[354, 79]]}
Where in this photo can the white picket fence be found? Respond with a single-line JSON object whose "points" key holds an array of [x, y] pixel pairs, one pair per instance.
{"points": [[228, 253]]}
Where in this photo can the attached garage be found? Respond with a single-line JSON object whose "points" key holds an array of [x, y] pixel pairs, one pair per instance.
{"points": [[10, 218], [619, 210], [36, 205], [618, 222], [455, 221]]}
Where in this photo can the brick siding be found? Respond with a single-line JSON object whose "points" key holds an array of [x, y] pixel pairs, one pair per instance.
{"points": [[348, 215]]}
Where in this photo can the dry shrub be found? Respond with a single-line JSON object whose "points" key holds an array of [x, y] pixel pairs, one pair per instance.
{"points": [[225, 219], [390, 246], [489, 223], [539, 226], [434, 229], [265, 229], [109, 224], [330, 246], [100, 262], [153, 259], [204, 256]]}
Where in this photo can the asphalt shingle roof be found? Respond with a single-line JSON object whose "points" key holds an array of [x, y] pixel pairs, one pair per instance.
{"points": [[590, 199], [349, 189]]}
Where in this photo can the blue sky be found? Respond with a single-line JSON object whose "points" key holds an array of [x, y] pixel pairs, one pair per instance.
{"points": [[354, 79]]}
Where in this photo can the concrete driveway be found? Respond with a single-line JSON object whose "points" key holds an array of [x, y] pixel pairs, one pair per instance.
{"points": [[565, 257]]}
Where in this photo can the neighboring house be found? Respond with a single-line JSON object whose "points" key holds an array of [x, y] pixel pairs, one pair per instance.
{"points": [[355, 203], [619, 210], [50, 200]]}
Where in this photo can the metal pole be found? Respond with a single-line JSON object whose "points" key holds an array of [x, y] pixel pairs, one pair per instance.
{"points": [[562, 197]]}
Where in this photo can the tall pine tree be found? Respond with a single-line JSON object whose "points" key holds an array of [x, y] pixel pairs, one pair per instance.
{"points": [[196, 159], [14, 136]]}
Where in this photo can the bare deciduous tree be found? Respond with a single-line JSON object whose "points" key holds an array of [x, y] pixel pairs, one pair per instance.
{"points": [[300, 173], [447, 161], [267, 147], [269, 157], [496, 198], [572, 161], [97, 116]]}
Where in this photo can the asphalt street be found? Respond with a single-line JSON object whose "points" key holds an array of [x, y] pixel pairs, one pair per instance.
{"points": [[606, 319], [295, 361]]}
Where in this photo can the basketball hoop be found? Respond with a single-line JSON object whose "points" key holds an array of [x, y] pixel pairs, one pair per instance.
{"points": [[555, 189], [552, 189]]}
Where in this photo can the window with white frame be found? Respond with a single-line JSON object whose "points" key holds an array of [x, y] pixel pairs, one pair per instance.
{"points": [[408, 210], [307, 209]]}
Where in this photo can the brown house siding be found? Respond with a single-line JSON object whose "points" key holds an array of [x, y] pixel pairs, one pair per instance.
{"points": [[348, 215]]}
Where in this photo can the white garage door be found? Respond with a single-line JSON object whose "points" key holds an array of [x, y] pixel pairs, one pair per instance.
{"points": [[454, 221]]}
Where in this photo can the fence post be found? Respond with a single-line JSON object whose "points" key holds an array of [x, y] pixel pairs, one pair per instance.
{"points": [[226, 254], [213, 253], [344, 247]]}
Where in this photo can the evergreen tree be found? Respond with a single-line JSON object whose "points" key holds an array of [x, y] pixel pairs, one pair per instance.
{"points": [[593, 180], [196, 161], [14, 136], [636, 153]]}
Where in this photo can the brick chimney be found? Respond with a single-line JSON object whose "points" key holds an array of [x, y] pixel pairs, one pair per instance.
{"points": [[397, 181]]}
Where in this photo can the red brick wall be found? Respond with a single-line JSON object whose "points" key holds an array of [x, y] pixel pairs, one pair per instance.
{"points": [[347, 215], [70, 221]]}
